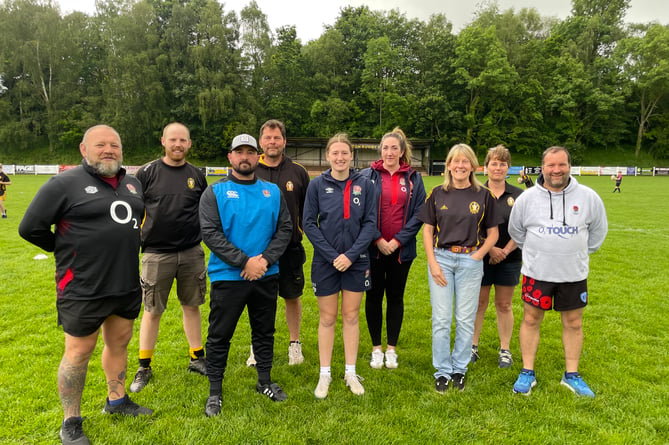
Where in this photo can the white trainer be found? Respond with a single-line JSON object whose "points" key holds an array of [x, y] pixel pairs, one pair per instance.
{"points": [[377, 359], [353, 382], [323, 386], [295, 356], [391, 359], [251, 361]]}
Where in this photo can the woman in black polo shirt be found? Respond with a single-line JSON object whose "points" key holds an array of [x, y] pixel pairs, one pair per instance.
{"points": [[460, 228]]}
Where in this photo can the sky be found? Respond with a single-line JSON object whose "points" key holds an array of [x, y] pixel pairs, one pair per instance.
{"points": [[310, 16]]}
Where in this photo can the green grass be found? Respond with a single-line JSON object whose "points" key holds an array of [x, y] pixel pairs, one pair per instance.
{"points": [[625, 360]]}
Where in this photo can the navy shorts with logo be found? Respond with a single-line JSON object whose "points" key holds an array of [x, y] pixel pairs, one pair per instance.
{"points": [[81, 318], [326, 280], [557, 296]]}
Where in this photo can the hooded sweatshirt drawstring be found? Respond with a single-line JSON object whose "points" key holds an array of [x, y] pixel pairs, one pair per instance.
{"points": [[564, 207]]}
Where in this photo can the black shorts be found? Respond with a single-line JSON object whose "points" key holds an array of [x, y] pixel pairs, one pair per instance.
{"points": [[558, 296], [291, 272], [506, 273], [81, 318]]}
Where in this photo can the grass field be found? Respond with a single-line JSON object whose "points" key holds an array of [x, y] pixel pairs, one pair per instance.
{"points": [[625, 360]]}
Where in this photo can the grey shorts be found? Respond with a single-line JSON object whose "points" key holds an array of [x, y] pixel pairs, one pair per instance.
{"points": [[159, 270]]}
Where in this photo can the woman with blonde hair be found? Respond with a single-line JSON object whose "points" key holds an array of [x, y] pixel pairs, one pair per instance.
{"points": [[401, 194], [460, 228], [340, 221]]}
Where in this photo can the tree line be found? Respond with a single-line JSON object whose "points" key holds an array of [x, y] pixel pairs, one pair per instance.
{"points": [[514, 77]]}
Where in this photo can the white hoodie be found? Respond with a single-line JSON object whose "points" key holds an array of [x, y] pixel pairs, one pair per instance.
{"points": [[558, 231]]}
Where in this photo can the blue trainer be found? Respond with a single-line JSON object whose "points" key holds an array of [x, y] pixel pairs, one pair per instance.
{"points": [[577, 385], [525, 382]]}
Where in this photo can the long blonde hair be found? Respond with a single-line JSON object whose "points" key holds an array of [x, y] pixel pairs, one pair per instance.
{"points": [[467, 152]]}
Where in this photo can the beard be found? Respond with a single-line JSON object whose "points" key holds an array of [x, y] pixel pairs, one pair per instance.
{"points": [[244, 168], [107, 169]]}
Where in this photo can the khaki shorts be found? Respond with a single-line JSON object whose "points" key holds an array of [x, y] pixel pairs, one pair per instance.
{"points": [[159, 270]]}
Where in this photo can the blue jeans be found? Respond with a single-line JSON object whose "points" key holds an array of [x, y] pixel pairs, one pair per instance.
{"points": [[460, 296]]}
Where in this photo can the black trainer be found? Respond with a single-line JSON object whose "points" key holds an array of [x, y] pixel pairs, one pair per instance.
{"points": [[273, 391], [141, 379], [198, 365], [213, 406], [458, 381], [72, 432], [128, 408], [441, 384]]}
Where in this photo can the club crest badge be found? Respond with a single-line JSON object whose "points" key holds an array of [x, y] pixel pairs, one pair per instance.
{"points": [[191, 183], [289, 186], [474, 208]]}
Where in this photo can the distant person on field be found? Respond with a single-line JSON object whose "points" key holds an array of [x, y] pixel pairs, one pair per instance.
{"points": [[501, 266], [246, 224], [293, 179], [524, 178], [460, 229], [558, 224], [618, 179], [340, 221], [401, 194], [4, 182], [172, 250], [97, 211]]}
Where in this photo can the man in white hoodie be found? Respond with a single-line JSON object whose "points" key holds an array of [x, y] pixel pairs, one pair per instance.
{"points": [[558, 224]]}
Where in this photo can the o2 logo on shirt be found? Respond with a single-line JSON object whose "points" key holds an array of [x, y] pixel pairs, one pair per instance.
{"points": [[122, 219], [474, 208]]}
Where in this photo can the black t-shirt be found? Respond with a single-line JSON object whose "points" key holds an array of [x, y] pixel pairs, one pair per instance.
{"points": [[504, 205], [461, 217], [172, 200]]}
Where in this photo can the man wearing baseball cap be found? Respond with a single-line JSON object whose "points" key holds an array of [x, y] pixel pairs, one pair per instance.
{"points": [[246, 224]]}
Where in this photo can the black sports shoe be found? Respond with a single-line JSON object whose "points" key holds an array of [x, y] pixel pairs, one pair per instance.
{"points": [[458, 381], [475, 354], [441, 384], [273, 391], [128, 408], [198, 365], [72, 432], [213, 406], [141, 379]]}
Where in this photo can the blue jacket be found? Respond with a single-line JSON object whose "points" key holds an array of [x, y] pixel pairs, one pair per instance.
{"points": [[410, 224], [242, 219], [340, 217]]}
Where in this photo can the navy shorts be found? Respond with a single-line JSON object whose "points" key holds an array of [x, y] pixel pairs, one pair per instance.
{"points": [[291, 272], [506, 273], [326, 280], [558, 296], [81, 318]]}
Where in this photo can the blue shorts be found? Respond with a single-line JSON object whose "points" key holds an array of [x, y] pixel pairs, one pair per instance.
{"points": [[326, 280], [558, 296], [506, 273]]}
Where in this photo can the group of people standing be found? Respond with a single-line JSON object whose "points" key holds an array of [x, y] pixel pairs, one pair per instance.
{"points": [[363, 228]]}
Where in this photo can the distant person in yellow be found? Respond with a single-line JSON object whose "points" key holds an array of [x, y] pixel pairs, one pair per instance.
{"points": [[4, 182]]}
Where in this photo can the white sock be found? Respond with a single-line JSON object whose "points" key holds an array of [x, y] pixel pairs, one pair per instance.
{"points": [[325, 370], [350, 369]]}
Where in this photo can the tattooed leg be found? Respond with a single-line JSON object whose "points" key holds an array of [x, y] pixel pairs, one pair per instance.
{"points": [[72, 372], [116, 333]]}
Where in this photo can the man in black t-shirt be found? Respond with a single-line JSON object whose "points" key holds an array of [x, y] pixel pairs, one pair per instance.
{"points": [[172, 250]]}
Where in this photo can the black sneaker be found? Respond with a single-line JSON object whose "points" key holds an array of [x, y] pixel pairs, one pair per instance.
{"points": [[141, 379], [198, 365], [128, 408], [458, 381], [213, 406], [441, 385], [505, 360], [273, 391], [72, 432]]}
